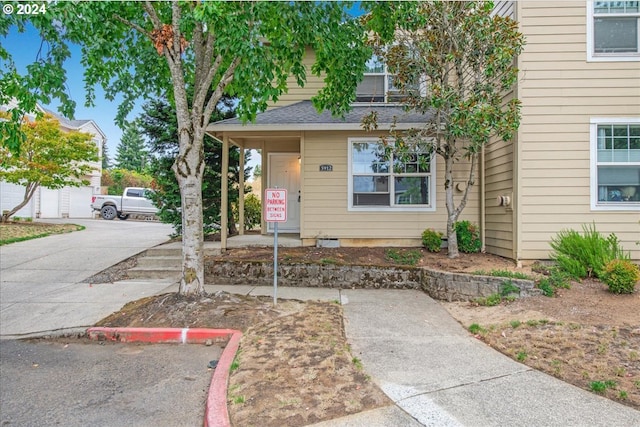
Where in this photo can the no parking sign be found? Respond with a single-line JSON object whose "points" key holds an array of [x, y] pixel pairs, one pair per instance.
{"points": [[275, 205], [275, 210]]}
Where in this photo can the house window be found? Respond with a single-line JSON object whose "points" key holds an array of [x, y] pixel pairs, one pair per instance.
{"points": [[381, 178], [377, 84], [615, 160], [613, 31]]}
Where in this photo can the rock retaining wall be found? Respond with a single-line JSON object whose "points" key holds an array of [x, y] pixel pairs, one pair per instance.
{"points": [[438, 284]]}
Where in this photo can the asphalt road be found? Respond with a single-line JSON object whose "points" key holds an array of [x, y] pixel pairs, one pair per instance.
{"points": [[70, 383]]}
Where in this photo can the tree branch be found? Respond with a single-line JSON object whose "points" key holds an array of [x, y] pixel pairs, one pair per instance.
{"points": [[133, 25], [153, 15], [217, 94]]}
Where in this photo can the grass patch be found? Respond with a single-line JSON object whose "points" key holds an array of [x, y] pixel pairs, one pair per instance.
{"points": [[357, 363], [13, 232], [601, 386], [476, 329], [235, 365], [403, 256]]}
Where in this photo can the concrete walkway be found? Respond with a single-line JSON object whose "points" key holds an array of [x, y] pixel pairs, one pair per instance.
{"points": [[41, 287]]}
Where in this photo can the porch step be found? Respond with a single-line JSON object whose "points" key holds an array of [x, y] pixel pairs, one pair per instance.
{"points": [[144, 273], [169, 261]]}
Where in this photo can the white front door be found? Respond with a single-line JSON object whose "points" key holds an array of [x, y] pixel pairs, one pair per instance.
{"points": [[284, 172]]}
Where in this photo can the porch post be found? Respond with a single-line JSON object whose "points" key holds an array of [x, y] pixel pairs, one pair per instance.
{"points": [[224, 208], [241, 191]]}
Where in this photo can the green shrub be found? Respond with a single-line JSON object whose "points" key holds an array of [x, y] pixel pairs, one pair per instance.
{"points": [[432, 240], [545, 286], [252, 211], [468, 236], [585, 255], [621, 276]]}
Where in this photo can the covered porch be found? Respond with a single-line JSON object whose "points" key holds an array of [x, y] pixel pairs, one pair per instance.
{"points": [[281, 168]]}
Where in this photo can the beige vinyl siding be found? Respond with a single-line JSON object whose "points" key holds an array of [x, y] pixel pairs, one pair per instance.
{"points": [[499, 232], [325, 198], [296, 93], [560, 92]]}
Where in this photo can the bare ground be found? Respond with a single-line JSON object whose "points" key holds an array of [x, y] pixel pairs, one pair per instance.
{"points": [[294, 365]]}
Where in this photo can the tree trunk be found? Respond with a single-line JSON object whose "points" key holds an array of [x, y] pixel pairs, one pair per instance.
{"points": [[452, 214], [189, 167], [29, 190]]}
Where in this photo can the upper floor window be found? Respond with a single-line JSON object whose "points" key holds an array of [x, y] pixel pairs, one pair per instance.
{"points": [[382, 179], [613, 31], [377, 84], [615, 163]]}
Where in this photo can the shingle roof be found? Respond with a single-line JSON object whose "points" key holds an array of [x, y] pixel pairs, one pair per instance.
{"points": [[66, 122], [303, 115]]}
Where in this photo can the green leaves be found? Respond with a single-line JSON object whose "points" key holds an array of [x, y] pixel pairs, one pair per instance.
{"points": [[49, 157]]}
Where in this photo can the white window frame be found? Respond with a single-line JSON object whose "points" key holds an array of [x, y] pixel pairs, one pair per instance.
{"points": [[593, 138], [389, 91], [607, 57], [431, 207]]}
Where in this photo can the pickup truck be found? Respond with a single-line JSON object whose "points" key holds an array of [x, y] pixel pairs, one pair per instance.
{"points": [[134, 200]]}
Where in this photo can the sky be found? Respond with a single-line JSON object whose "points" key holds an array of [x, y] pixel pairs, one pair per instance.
{"points": [[23, 47]]}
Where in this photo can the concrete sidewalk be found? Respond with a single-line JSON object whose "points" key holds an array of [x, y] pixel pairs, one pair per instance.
{"points": [[439, 375], [41, 287]]}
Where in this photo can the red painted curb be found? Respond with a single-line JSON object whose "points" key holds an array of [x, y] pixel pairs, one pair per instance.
{"points": [[215, 413]]}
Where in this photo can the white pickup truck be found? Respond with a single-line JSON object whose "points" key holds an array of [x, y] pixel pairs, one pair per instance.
{"points": [[134, 200]]}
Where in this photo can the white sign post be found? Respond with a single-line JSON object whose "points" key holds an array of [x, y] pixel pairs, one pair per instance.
{"points": [[275, 210]]}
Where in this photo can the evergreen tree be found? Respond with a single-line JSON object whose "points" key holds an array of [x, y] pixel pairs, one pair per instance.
{"points": [[159, 125], [131, 153], [105, 156]]}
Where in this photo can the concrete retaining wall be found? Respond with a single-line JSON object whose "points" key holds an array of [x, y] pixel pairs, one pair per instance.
{"points": [[438, 284]]}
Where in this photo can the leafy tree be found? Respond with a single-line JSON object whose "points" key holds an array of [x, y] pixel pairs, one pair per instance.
{"points": [[131, 153], [453, 62], [244, 49], [118, 179], [48, 158], [158, 124]]}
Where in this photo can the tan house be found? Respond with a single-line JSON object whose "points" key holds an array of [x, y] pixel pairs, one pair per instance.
{"points": [[574, 161], [66, 202]]}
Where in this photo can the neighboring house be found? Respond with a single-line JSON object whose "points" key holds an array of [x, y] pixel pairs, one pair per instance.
{"points": [[67, 202], [575, 159]]}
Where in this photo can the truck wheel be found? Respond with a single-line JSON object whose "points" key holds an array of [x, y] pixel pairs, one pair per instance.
{"points": [[123, 217], [108, 212]]}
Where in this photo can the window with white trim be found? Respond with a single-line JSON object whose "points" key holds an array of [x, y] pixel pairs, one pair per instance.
{"points": [[613, 30], [615, 163], [380, 178], [377, 84]]}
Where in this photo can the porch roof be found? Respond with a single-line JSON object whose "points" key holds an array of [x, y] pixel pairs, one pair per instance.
{"points": [[303, 116]]}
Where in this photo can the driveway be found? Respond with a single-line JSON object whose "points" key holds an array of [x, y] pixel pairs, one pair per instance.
{"points": [[40, 279]]}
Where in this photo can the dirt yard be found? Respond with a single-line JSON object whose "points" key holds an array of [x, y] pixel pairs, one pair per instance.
{"points": [[294, 366]]}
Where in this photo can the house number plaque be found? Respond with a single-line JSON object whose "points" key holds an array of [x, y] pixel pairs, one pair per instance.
{"points": [[326, 168]]}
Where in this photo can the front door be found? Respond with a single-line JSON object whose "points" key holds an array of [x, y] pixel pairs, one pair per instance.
{"points": [[284, 172]]}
